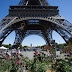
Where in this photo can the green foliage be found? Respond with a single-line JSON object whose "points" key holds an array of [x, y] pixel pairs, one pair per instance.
{"points": [[27, 47], [7, 46], [37, 66], [21, 47], [14, 67], [5, 66], [53, 50], [9, 65], [62, 66], [59, 45], [10, 46]]}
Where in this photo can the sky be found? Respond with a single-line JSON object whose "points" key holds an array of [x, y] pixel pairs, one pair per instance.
{"points": [[65, 10]]}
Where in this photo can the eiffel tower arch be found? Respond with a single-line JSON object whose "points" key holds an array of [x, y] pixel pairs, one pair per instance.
{"points": [[34, 17]]}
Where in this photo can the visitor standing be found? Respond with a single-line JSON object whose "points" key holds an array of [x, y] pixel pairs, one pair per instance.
{"points": [[1, 51], [12, 52]]}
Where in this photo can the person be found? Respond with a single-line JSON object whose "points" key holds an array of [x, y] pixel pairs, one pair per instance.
{"points": [[24, 49], [18, 50], [12, 52], [1, 51], [7, 53]]}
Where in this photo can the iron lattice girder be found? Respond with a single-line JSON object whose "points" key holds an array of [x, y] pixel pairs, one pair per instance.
{"points": [[33, 11], [49, 19], [47, 32], [7, 25], [21, 34], [4, 34], [33, 2], [4, 22], [64, 34]]}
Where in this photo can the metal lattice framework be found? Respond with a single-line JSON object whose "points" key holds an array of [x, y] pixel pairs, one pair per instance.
{"points": [[33, 2], [40, 18]]}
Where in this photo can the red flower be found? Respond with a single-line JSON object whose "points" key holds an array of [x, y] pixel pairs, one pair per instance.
{"points": [[17, 62], [47, 47], [36, 52]]}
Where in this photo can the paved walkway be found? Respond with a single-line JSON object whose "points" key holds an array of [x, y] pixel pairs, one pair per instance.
{"points": [[30, 54]]}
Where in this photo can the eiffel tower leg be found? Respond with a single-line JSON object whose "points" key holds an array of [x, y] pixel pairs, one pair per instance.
{"points": [[63, 27], [64, 34], [6, 27], [70, 40], [45, 36], [48, 35], [5, 33], [18, 38], [4, 37]]}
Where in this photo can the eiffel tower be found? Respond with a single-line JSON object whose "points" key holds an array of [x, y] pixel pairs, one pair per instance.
{"points": [[34, 17]]}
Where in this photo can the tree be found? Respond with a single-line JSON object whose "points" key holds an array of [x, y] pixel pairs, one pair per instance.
{"points": [[26, 47], [10, 46], [21, 47], [59, 45]]}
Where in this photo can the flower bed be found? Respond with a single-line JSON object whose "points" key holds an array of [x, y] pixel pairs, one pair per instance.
{"points": [[38, 64]]}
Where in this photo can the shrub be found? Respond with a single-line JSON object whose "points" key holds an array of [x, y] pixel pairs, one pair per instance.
{"points": [[62, 66]]}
